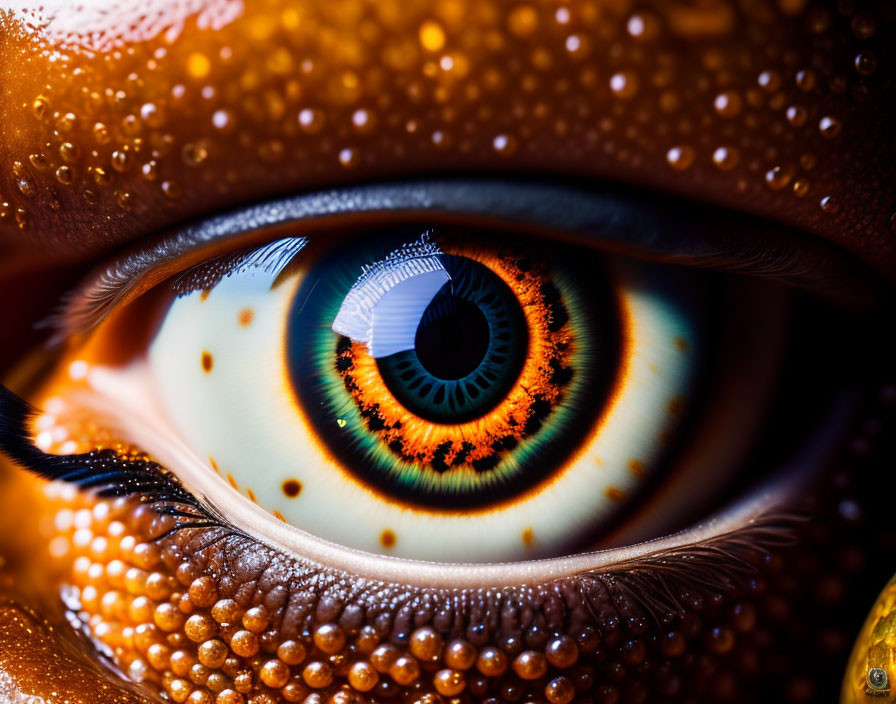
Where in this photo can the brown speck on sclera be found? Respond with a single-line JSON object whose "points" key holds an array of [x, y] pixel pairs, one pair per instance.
{"points": [[292, 488], [245, 317], [614, 494], [682, 344], [207, 362], [251, 495], [214, 465], [387, 539], [637, 468], [528, 537], [232, 481]]}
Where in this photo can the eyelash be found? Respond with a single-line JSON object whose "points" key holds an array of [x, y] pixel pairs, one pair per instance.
{"points": [[657, 585], [105, 472]]}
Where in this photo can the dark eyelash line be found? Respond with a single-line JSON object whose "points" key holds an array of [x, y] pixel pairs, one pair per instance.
{"points": [[105, 472], [666, 230], [718, 564], [270, 259], [656, 582]]}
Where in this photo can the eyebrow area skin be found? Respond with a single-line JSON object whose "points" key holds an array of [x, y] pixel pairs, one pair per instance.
{"points": [[121, 119]]}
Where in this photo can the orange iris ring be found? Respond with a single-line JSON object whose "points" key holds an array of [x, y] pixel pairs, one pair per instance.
{"points": [[515, 401]]}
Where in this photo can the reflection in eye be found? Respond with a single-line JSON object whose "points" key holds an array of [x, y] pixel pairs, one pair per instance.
{"points": [[473, 397]]}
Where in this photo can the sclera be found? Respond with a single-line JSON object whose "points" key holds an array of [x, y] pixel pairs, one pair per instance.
{"points": [[218, 368]]}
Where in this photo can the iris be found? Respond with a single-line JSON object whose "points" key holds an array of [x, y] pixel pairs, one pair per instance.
{"points": [[453, 373], [469, 349]]}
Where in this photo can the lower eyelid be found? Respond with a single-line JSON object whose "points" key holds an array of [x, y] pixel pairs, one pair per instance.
{"points": [[113, 403]]}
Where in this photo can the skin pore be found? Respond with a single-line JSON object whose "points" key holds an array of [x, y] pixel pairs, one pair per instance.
{"points": [[118, 123]]}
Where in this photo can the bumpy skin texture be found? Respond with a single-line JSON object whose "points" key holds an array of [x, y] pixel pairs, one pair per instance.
{"points": [[116, 123]]}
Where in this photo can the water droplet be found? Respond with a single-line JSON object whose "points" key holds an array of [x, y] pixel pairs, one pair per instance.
{"points": [[69, 152], [864, 25], [829, 205], [348, 157], [805, 80], [680, 157], [523, 21], [819, 20], [40, 106], [222, 119], [725, 158], [26, 186], [131, 126], [624, 84], [101, 177], [778, 177], [194, 153], [362, 120], [576, 45], [150, 170], [505, 144], [643, 26], [728, 104], [171, 189], [829, 126], [797, 115], [65, 175], [769, 81], [101, 133], [124, 199], [800, 187], [432, 36], [866, 63], [89, 196], [39, 162], [311, 121], [121, 160], [198, 65]]}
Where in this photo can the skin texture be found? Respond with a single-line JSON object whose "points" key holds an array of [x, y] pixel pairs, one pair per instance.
{"points": [[112, 129]]}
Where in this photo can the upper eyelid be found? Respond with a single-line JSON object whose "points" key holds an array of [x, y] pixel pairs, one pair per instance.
{"points": [[631, 222]]}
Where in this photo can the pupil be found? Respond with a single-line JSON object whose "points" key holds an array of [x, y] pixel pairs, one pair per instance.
{"points": [[452, 337]]}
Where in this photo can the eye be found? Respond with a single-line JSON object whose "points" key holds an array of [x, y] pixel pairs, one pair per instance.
{"points": [[453, 393], [463, 385]]}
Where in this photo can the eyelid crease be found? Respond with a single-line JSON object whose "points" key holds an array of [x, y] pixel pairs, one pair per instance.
{"points": [[665, 228]]}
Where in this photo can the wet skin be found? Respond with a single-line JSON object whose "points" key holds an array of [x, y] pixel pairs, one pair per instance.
{"points": [[116, 126]]}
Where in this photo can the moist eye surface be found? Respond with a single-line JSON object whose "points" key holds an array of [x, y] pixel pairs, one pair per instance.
{"points": [[451, 394]]}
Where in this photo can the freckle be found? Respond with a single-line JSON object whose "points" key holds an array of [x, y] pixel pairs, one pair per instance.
{"points": [[614, 494], [292, 488], [653, 367], [252, 496], [214, 465], [279, 516], [599, 461], [675, 405], [387, 539], [245, 317], [232, 481], [207, 361], [528, 537], [637, 468], [681, 344]]}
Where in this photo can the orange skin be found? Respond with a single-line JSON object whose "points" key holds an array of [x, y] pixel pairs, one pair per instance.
{"points": [[110, 133]]}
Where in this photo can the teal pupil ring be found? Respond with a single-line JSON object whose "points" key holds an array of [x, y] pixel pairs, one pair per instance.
{"points": [[469, 350]]}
